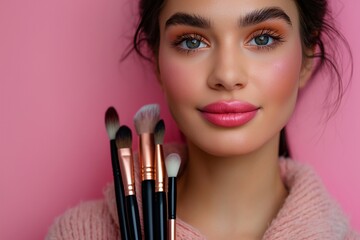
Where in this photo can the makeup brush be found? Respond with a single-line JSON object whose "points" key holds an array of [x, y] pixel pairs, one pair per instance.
{"points": [[145, 120], [112, 125], [124, 145], [172, 163], [160, 194]]}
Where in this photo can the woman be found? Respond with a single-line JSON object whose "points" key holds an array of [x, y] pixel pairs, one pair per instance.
{"points": [[231, 71]]}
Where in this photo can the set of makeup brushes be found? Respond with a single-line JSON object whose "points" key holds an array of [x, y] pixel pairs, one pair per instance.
{"points": [[158, 205]]}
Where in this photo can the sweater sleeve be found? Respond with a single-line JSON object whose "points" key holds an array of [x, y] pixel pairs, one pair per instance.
{"points": [[90, 220], [352, 235]]}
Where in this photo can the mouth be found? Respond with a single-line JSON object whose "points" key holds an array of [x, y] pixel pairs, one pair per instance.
{"points": [[229, 114]]}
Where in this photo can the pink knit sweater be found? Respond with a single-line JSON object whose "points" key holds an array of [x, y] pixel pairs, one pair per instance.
{"points": [[308, 213]]}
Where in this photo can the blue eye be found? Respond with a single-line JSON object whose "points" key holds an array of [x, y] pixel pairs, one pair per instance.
{"points": [[190, 42], [262, 40], [265, 39]]}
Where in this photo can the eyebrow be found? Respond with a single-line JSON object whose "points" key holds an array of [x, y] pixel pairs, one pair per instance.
{"points": [[187, 19], [251, 18], [262, 15]]}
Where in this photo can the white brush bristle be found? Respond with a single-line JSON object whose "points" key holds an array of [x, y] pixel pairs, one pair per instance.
{"points": [[146, 118], [172, 163]]}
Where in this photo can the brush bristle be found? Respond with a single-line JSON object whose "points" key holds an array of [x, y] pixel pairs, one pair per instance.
{"points": [[124, 137], [146, 118], [159, 132], [172, 163], [111, 122]]}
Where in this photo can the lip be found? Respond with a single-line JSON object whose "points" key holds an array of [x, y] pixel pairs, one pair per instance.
{"points": [[229, 114]]}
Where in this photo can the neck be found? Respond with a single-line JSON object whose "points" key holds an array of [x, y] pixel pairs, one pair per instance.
{"points": [[236, 194]]}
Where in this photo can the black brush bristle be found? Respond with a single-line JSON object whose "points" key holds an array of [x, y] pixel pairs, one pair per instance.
{"points": [[112, 122], [124, 137], [159, 132]]}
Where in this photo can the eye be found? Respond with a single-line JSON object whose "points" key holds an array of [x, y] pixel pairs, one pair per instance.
{"points": [[262, 40], [190, 42], [265, 39]]}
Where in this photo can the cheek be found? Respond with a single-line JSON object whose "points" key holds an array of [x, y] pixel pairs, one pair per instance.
{"points": [[180, 78], [287, 72], [282, 77]]}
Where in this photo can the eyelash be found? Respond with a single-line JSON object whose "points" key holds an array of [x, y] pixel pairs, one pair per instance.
{"points": [[188, 36], [274, 35]]}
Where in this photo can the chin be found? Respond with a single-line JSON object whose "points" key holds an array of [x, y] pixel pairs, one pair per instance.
{"points": [[227, 149]]}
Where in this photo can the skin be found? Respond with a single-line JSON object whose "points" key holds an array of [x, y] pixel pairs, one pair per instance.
{"points": [[231, 187]]}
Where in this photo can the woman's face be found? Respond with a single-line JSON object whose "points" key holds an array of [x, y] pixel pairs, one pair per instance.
{"points": [[230, 70]]}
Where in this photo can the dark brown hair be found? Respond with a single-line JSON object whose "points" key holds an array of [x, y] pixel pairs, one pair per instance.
{"points": [[316, 29]]}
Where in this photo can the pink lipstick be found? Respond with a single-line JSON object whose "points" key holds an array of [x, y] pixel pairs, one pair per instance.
{"points": [[229, 114]]}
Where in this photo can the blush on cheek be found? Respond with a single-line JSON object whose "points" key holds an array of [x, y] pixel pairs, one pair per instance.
{"points": [[171, 77], [179, 78], [284, 75]]}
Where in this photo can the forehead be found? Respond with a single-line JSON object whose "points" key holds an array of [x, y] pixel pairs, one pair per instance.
{"points": [[225, 11]]}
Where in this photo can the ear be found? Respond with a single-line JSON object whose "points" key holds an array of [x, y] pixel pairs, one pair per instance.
{"points": [[306, 68]]}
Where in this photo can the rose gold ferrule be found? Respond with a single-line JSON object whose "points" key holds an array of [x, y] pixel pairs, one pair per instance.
{"points": [[146, 156], [159, 169], [172, 229], [127, 170]]}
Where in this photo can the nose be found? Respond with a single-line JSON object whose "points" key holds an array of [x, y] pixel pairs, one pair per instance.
{"points": [[227, 71]]}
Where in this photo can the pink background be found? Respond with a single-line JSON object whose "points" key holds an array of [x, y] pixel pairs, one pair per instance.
{"points": [[60, 70]]}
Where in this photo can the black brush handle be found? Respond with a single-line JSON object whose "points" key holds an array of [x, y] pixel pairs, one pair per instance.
{"points": [[119, 192], [172, 198], [148, 197], [160, 216], [133, 217]]}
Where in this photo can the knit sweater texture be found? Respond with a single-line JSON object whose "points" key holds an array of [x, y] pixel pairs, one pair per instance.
{"points": [[307, 213]]}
